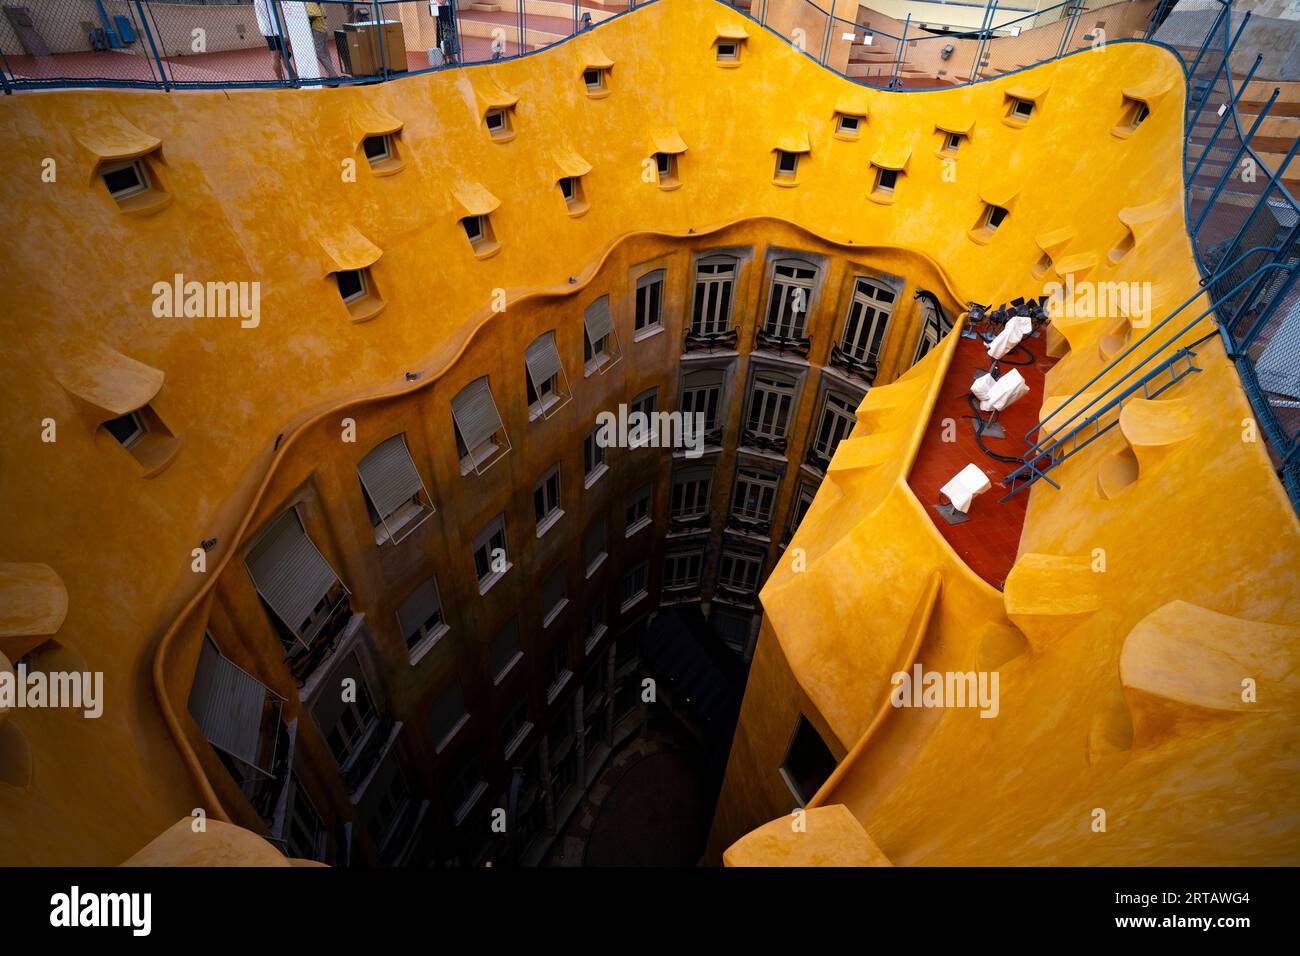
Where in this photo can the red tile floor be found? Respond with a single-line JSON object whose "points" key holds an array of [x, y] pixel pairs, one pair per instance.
{"points": [[989, 540]]}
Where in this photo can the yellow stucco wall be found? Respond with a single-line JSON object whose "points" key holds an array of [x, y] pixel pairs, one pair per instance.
{"points": [[256, 187]]}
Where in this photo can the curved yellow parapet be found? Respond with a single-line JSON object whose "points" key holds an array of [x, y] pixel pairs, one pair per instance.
{"points": [[821, 836], [211, 843]]}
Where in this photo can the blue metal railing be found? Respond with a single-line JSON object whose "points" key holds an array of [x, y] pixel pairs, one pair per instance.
{"points": [[1048, 451], [1254, 295]]}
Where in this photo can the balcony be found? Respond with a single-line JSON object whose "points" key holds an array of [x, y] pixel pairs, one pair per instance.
{"points": [[735, 594], [769, 443], [864, 369], [817, 459], [304, 655], [750, 524], [783, 344], [267, 791], [684, 524], [710, 341], [361, 765]]}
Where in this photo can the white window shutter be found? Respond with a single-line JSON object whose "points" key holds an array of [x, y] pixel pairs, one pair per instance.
{"points": [[227, 702], [476, 414], [599, 320], [389, 476], [289, 571], [542, 359]]}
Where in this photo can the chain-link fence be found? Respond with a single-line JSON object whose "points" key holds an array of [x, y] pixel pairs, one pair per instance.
{"points": [[231, 44], [178, 44], [1245, 230]]}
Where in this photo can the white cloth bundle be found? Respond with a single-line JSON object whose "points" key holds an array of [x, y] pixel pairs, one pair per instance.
{"points": [[964, 486], [1007, 390], [981, 387], [1017, 327]]}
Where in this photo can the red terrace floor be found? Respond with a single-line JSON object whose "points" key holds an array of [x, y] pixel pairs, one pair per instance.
{"points": [[989, 540]]}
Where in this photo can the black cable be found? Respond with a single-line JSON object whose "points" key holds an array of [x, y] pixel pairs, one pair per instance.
{"points": [[1020, 347], [974, 407], [979, 432]]}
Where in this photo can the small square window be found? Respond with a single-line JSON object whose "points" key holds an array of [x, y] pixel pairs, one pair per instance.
{"points": [[353, 284], [1139, 112], [378, 148], [728, 50], [595, 79], [145, 436], [886, 179], [787, 164], [993, 217], [808, 763], [478, 230], [848, 125], [498, 122], [666, 167], [952, 142], [1022, 109], [125, 179], [128, 429], [572, 191]]}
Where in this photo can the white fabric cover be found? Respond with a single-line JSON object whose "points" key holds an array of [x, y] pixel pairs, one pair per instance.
{"points": [[964, 486], [1017, 327], [982, 386], [1007, 390]]}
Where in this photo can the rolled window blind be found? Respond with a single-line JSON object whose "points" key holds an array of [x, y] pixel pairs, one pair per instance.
{"points": [[476, 414], [389, 476]]}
